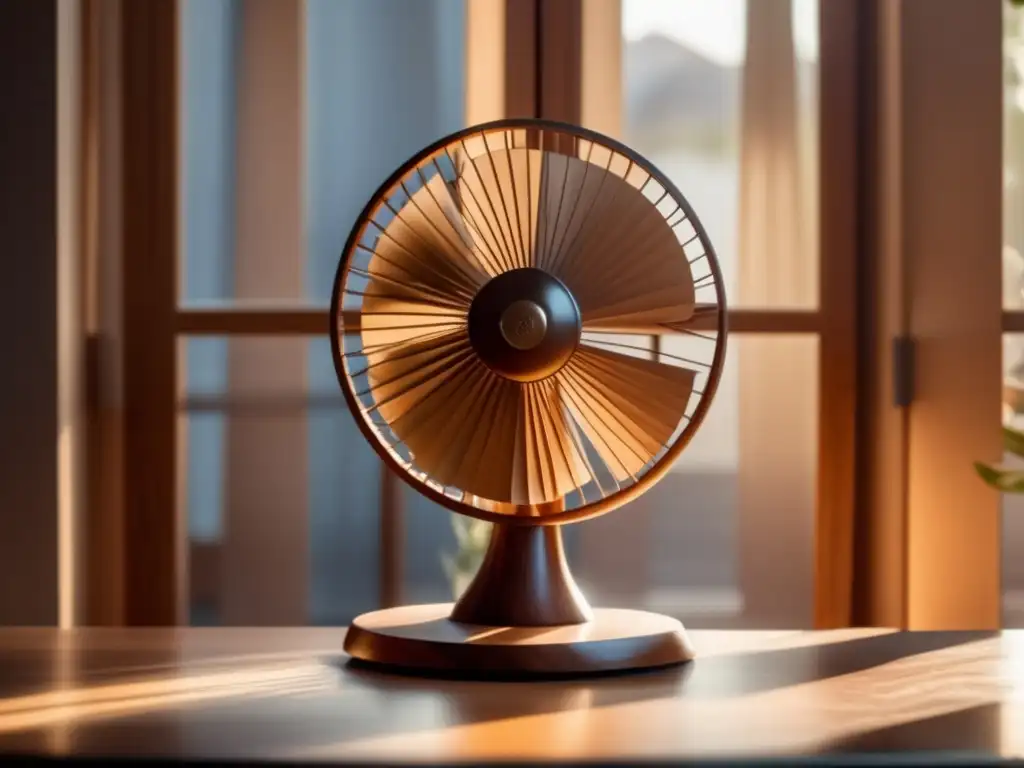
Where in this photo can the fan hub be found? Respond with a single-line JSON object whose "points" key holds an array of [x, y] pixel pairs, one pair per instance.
{"points": [[524, 324]]}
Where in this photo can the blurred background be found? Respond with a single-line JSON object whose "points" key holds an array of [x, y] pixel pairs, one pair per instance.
{"points": [[858, 165], [268, 439]]}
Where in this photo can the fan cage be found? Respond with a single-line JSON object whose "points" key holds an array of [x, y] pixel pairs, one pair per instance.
{"points": [[702, 335]]}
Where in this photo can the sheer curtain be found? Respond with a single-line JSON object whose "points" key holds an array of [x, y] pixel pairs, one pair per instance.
{"points": [[777, 268]]}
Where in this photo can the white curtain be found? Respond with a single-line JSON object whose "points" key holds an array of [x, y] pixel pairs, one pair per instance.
{"points": [[778, 375]]}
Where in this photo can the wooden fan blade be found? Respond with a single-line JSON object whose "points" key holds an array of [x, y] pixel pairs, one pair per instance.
{"points": [[423, 275], [498, 193], [445, 435], [547, 465], [570, 189], [485, 469], [400, 382], [568, 465], [431, 403], [386, 320], [537, 460], [617, 254], [703, 317], [391, 369], [629, 408], [425, 248], [462, 432]]}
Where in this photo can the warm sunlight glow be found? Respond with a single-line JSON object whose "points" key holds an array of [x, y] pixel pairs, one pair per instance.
{"points": [[713, 28], [61, 706]]}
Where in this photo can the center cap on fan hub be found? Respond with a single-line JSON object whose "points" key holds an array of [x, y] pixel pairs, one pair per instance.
{"points": [[524, 324]]}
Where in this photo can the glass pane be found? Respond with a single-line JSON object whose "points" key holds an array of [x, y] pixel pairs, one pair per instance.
{"points": [[1013, 157], [1013, 505], [706, 542], [291, 118], [283, 497], [436, 567], [722, 96], [1013, 299], [282, 490]]}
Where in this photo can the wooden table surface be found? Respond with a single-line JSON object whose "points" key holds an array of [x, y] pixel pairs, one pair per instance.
{"points": [[289, 695]]}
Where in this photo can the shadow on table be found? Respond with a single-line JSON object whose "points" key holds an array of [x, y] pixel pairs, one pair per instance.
{"points": [[970, 731], [761, 671], [712, 677], [366, 703]]}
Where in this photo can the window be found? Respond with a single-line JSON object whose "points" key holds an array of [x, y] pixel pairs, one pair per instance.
{"points": [[723, 97], [1013, 299], [289, 119]]}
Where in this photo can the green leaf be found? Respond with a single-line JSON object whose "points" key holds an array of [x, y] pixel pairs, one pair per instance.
{"points": [[1005, 480], [1013, 439]]}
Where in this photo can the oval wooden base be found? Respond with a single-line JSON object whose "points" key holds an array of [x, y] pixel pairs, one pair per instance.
{"points": [[423, 638]]}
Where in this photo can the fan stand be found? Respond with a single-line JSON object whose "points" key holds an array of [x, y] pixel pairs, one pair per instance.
{"points": [[521, 615]]}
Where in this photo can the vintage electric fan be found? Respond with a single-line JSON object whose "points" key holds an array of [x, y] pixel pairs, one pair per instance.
{"points": [[498, 326]]}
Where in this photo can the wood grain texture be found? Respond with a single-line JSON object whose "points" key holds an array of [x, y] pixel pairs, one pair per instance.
{"points": [[838, 244], [220, 319], [952, 207], [478, 228], [287, 694], [421, 637], [153, 536], [29, 303], [523, 581]]}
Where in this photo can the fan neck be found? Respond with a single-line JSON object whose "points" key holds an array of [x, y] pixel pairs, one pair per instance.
{"points": [[524, 580]]}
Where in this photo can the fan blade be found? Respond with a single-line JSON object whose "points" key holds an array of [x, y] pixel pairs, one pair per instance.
{"points": [[568, 465], [426, 248], [453, 429], [386, 320], [463, 432], [485, 469], [498, 194], [423, 274], [540, 471], [617, 254], [401, 381], [570, 190], [492, 438], [388, 369], [629, 408], [435, 403], [546, 466], [703, 317], [519, 492]]}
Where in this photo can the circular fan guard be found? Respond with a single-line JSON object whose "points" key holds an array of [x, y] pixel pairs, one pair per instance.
{"points": [[492, 316]]}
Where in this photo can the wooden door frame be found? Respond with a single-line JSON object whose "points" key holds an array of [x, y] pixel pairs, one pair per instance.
{"points": [[928, 544]]}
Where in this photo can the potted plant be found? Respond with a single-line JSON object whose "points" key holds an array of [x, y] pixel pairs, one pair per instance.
{"points": [[1005, 479], [471, 539]]}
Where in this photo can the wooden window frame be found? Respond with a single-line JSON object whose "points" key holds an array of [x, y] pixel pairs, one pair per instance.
{"points": [[929, 541], [574, 31], [538, 36]]}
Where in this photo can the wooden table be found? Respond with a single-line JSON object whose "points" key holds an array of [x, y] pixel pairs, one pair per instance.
{"points": [[288, 695]]}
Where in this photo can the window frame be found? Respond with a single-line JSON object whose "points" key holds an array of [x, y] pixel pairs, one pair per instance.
{"points": [[539, 37]]}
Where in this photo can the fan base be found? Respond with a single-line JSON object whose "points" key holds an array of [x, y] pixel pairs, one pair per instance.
{"points": [[421, 639]]}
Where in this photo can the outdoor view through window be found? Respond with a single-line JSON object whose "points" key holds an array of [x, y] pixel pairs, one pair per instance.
{"points": [[719, 94], [1013, 298]]}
